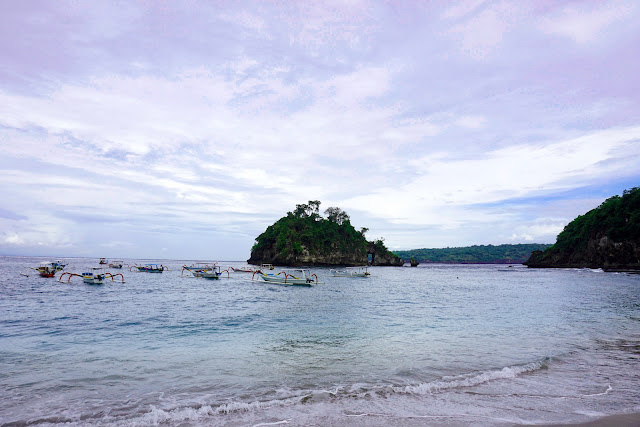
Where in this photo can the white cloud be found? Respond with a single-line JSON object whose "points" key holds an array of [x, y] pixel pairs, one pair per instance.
{"points": [[358, 104], [585, 23], [462, 8], [444, 187], [480, 34], [471, 122]]}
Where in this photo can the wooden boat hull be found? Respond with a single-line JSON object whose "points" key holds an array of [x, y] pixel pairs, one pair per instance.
{"points": [[338, 274], [150, 270], [282, 281]]}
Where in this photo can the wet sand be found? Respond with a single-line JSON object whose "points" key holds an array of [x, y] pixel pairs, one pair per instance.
{"points": [[624, 420]]}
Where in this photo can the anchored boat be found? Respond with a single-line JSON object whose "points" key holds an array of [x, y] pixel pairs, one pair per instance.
{"points": [[149, 268], [298, 277], [199, 268], [46, 269], [116, 264], [242, 270], [96, 276], [213, 273], [351, 272]]}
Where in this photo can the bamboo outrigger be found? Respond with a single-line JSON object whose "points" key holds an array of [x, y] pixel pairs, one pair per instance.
{"points": [[302, 277], [96, 276]]}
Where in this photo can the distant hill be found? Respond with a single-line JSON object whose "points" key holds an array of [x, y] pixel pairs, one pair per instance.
{"points": [[304, 237], [482, 254], [605, 237]]}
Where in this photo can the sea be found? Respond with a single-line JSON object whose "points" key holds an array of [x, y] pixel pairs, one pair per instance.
{"points": [[435, 345]]}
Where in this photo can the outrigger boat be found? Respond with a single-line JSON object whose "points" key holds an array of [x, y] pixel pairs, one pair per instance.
{"points": [[102, 261], [266, 267], [96, 276], [243, 270], [48, 269], [214, 273], [58, 265], [149, 268], [199, 268], [294, 277], [351, 272], [116, 264]]}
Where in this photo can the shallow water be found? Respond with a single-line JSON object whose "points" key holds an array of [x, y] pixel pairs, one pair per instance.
{"points": [[433, 345]]}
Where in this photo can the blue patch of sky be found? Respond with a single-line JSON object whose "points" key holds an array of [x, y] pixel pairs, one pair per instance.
{"points": [[7, 214], [603, 190]]}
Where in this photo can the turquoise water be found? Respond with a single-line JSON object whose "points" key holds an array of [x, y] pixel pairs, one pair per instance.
{"points": [[433, 345]]}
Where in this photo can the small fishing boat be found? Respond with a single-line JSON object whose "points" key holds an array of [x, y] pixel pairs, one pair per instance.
{"points": [[116, 264], [96, 276], [46, 269], [211, 273], [149, 268], [294, 277], [102, 261], [242, 270], [264, 267], [351, 272], [198, 268], [58, 265]]}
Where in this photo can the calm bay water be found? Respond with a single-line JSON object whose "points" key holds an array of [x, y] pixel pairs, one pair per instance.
{"points": [[433, 345]]}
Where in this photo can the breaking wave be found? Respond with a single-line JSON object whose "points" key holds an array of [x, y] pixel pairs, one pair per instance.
{"points": [[470, 380], [211, 414]]}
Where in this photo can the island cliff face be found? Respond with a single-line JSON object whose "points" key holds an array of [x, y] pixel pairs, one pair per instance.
{"points": [[606, 237], [303, 237]]}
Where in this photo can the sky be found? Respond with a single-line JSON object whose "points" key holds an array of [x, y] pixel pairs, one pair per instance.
{"points": [[165, 129]]}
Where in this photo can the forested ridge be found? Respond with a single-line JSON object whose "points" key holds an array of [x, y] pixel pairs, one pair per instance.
{"points": [[607, 236], [477, 254]]}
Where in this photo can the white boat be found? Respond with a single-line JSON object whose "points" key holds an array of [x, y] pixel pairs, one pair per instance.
{"points": [[96, 276], [264, 267], [243, 269], [211, 273], [351, 272], [199, 268], [116, 264], [58, 265], [299, 277]]}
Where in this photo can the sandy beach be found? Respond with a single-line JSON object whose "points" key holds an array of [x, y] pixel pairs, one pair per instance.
{"points": [[623, 420]]}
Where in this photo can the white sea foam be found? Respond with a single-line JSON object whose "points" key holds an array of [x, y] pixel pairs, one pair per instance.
{"points": [[609, 388], [272, 424], [469, 380]]}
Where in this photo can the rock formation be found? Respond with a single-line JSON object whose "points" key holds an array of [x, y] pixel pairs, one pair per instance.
{"points": [[303, 237], [606, 237]]}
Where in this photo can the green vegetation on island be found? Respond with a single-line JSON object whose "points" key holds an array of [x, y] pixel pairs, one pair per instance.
{"points": [[304, 237], [480, 254], [605, 237]]}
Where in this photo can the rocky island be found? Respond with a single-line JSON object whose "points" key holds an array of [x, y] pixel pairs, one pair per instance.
{"points": [[606, 237], [304, 237]]}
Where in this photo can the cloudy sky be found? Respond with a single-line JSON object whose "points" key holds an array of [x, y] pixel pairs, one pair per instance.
{"points": [[163, 129]]}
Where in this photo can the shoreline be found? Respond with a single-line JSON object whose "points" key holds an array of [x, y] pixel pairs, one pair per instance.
{"points": [[618, 420]]}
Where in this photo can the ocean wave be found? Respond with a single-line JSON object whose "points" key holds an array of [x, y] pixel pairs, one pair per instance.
{"points": [[470, 380], [358, 391], [213, 414]]}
